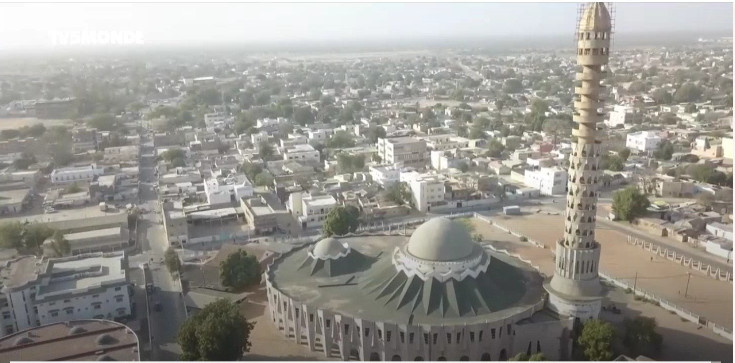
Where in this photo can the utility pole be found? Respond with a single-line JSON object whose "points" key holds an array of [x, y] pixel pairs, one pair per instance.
{"points": [[689, 275], [635, 282]]}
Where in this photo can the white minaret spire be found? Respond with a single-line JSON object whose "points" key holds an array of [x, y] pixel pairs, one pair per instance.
{"points": [[575, 288]]}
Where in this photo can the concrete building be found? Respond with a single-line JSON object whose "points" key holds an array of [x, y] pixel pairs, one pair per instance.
{"points": [[99, 240], [549, 181], [435, 296], [727, 148], [720, 230], [176, 227], [75, 340], [83, 140], [620, 116], [227, 190], [43, 291], [320, 135], [385, 175], [14, 201], [301, 152], [408, 151], [426, 191], [310, 210], [83, 174], [441, 160], [260, 217], [643, 141], [445, 142], [575, 289], [119, 154]]}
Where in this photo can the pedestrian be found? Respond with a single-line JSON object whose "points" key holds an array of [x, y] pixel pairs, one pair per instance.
{"points": [[651, 258]]}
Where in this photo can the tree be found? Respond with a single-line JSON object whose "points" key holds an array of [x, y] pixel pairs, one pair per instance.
{"points": [[375, 132], [8, 134], [688, 92], [396, 193], [624, 153], [341, 139], [700, 172], [512, 85], [60, 245], [664, 150], [613, 163], [303, 116], [239, 270], [641, 336], [705, 199], [172, 261], [172, 154], [537, 357], [264, 178], [34, 235], [662, 97], [103, 122], [26, 159], [719, 178], [556, 127], [596, 340], [350, 163], [463, 167], [265, 150], [11, 235], [629, 204], [250, 170], [341, 220], [73, 188], [218, 332], [495, 148]]}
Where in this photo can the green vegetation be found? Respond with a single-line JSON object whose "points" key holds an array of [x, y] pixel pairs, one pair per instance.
{"points": [[350, 163], [341, 139], [265, 150], [72, 188], [341, 220], [629, 204], [239, 271], [26, 159], [264, 178], [60, 245], [641, 337], [596, 339], [664, 151], [398, 193], [218, 332], [172, 261]]}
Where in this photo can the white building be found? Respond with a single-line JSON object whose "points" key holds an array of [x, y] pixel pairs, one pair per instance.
{"points": [[643, 141], [409, 151], [444, 142], [271, 122], [37, 291], [720, 230], [425, 191], [385, 175], [303, 152], [227, 190], [84, 174], [310, 210], [256, 139], [321, 135], [620, 115], [441, 161], [549, 181]]}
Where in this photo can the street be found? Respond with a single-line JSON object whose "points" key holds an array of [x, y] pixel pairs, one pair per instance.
{"points": [[152, 242]]}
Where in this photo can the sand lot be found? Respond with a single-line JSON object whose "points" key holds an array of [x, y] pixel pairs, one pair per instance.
{"points": [[18, 122]]}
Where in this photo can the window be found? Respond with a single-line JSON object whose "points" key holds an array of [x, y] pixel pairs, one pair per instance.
{"points": [[54, 313], [6, 315], [492, 333], [472, 337], [97, 306], [387, 336], [95, 296], [118, 288], [479, 338], [403, 337], [329, 323], [367, 331], [426, 338], [347, 328], [508, 328], [311, 318], [458, 335], [435, 338], [69, 311], [449, 338], [410, 338], [380, 334]]}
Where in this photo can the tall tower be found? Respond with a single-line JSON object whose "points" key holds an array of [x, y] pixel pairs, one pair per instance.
{"points": [[575, 289]]}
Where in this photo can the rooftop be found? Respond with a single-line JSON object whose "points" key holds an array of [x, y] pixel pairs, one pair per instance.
{"points": [[97, 233], [87, 340]]}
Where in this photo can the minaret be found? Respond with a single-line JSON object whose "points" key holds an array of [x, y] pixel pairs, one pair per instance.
{"points": [[575, 289]]}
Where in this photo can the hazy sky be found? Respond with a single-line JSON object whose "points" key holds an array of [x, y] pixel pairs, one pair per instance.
{"points": [[36, 25]]}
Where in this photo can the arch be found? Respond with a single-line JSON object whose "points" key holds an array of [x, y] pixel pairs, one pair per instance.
{"points": [[486, 357], [396, 357], [354, 354], [441, 359], [418, 359], [374, 356], [464, 358], [503, 355]]}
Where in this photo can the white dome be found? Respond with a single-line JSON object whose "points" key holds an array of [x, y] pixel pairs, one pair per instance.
{"points": [[441, 239], [329, 248]]}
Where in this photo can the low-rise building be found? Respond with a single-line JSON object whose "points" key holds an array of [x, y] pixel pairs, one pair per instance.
{"points": [[310, 210], [720, 230], [643, 141], [175, 225], [385, 175], [83, 140], [41, 291], [99, 240], [549, 181], [426, 190], [260, 217], [84, 174], [408, 151], [227, 190], [301, 152]]}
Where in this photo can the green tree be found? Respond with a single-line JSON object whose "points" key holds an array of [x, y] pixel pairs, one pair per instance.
{"points": [[688, 92], [375, 132], [495, 148], [219, 332], [629, 204], [662, 97], [60, 245], [34, 235], [9, 134], [520, 357], [613, 163], [265, 150], [596, 339], [103, 122], [250, 170], [11, 235], [303, 116], [512, 85], [341, 220], [172, 154], [557, 127], [397, 193], [240, 270], [73, 188], [264, 178], [26, 159], [172, 261], [624, 153], [700, 172], [641, 336], [664, 150], [341, 139], [463, 167], [350, 163], [537, 357]]}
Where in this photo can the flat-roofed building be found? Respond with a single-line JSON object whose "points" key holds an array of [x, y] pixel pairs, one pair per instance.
{"points": [[83, 140], [13, 201], [301, 152], [261, 218], [83, 174], [78, 219], [82, 340], [177, 230], [99, 240], [409, 151], [48, 290]]}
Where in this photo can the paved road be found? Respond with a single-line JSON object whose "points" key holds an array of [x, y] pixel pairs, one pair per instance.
{"points": [[152, 242]]}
